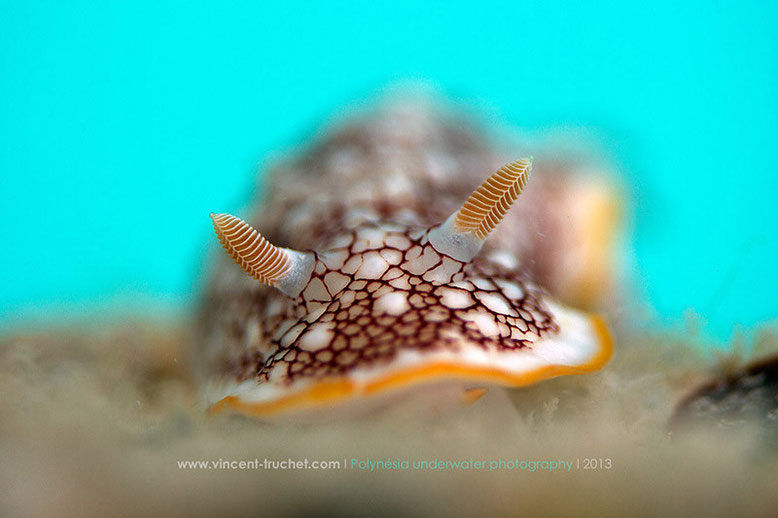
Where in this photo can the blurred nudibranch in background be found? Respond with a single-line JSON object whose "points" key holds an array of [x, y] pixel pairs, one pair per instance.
{"points": [[374, 268]]}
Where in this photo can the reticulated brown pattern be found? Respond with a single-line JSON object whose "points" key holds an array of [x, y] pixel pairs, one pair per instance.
{"points": [[381, 291]]}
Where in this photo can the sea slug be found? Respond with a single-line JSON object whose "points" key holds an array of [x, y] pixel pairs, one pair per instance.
{"points": [[374, 267]]}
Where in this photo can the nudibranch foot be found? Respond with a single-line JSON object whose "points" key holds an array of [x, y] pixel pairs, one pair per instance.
{"points": [[374, 386]]}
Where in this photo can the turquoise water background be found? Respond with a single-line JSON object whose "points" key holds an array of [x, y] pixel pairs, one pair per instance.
{"points": [[123, 124]]}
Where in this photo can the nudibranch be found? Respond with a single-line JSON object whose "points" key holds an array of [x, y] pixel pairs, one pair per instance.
{"points": [[393, 296]]}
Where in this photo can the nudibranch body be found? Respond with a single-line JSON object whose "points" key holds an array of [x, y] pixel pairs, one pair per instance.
{"points": [[384, 293]]}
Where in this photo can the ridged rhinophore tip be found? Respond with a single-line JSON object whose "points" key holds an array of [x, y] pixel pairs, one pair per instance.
{"points": [[282, 268], [490, 202], [463, 234]]}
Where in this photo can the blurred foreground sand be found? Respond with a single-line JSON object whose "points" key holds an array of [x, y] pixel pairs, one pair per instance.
{"points": [[94, 422]]}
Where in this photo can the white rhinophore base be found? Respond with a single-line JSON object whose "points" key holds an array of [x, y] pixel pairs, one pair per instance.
{"points": [[447, 240]]}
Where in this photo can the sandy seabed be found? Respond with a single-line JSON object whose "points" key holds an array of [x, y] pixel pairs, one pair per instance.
{"points": [[95, 422]]}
